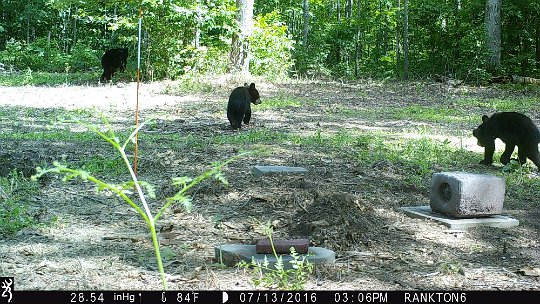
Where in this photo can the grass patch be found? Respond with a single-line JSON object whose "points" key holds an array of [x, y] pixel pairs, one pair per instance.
{"points": [[279, 103], [103, 165], [16, 193], [525, 104], [431, 114], [29, 77], [53, 135]]}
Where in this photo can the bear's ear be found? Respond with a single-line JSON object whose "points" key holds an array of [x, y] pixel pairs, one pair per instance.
{"points": [[245, 84], [485, 118], [252, 86]]}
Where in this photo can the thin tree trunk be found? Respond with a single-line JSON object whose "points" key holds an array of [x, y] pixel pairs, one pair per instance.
{"points": [[240, 54], [348, 9], [306, 24], [405, 40], [338, 9], [75, 28], [538, 44], [197, 34], [357, 40], [27, 23], [493, 31], [28, 30], [398, 41]]}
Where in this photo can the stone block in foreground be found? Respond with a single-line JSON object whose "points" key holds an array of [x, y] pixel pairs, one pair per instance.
{"points": [[466, 195]]}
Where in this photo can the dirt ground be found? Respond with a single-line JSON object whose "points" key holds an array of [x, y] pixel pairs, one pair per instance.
{"points": [[97, 242]]}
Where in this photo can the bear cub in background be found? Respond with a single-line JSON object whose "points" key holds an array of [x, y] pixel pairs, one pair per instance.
{"points": [[112, 61], [514, 129], [239, 106]]}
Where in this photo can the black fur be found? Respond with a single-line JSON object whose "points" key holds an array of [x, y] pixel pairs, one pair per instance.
{"points": [[112, 61], [239, 106], [514, 129]]}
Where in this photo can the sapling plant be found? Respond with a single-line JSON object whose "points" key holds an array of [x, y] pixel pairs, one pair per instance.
{"points": [[125, 189]]}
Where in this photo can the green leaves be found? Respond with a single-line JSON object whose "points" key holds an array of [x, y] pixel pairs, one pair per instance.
{"points": [[279, 276], [126, 188]]}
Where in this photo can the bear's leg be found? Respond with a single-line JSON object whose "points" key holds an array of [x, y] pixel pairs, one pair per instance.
{"points": [[235, 123], [505, 157], [247, 114], [489, 149], [107, 74], [522, 154], [533, 154]]}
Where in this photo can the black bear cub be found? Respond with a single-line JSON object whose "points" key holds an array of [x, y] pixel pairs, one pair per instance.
{"points": [[514, 129], [112, 61], [239, 106]]}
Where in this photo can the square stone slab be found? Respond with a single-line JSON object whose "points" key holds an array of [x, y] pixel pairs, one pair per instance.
{"points": [[424, 212], [234, 253], [262, 170]]}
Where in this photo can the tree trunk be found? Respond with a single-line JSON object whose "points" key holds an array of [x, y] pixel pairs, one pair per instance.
{"points": [[348, 9], [338, 9], [75, 27], [306, 24], [538, 44], [357, 42], [398, 40], [493, 33], [239, 55], [405, 40], [197, 30]]}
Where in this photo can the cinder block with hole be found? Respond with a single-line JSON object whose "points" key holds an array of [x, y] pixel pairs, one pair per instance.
{"points": [[466, 195]]}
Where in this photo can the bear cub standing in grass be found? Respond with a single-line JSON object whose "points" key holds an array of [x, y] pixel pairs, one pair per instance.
{"points": [[239, 106], [514, 129], [112, 61]]}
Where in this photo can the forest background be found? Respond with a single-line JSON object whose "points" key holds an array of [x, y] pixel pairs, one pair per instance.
{"points": [[340, 39]]}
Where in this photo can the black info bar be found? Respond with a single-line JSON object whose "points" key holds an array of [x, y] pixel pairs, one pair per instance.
{"points": [[262, 297]]}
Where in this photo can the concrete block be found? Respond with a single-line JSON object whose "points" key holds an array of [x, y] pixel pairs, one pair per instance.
{"points": [[496, 221], [282, 246], [466, 195], [231, 254], [262, 170]]}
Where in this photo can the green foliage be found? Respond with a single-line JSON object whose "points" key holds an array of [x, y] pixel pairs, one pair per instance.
{"points": [[15, 195], [186, 36], [125, 189], [453, 267], [278, 103], [29, 77], [434, 114], [271, 47], [279, 276]]}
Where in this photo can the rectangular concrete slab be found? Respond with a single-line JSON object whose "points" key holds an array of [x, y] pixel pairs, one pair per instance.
{"points": [[424, 212], [231, 254], [262, 170]]}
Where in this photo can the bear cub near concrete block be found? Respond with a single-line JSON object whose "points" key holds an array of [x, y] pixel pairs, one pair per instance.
{"points": [[112, 61], [239, 106], [514, 129]]}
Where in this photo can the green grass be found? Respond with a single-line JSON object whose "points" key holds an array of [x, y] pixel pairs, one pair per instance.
{"points": [[16, 193], [525, 104], [431, 114], [54, 135], [29, 77], [279, 103]]}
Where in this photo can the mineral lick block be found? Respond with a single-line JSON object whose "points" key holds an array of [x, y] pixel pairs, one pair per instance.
{"points": [[466, 195], [282, 246]]}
